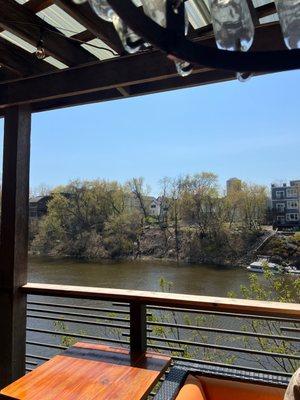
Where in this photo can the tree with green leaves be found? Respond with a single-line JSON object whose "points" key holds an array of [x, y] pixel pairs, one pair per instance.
{"points": [[268, 333]]}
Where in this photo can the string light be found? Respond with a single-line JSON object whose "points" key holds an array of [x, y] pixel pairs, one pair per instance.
{"points": [[40, 50], [69, 37]]}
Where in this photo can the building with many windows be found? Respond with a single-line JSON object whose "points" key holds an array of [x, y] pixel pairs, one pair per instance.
{"points": [[286, 204], [233, 185]]}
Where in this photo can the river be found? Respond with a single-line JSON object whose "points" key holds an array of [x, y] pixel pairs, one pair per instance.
{"points": [[62, 329], [140, 275]]}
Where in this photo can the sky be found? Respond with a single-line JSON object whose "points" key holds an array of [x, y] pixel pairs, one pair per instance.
{"points": [[247, 130]]}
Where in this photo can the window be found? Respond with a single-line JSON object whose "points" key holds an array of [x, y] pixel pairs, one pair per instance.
{"points": [[280, 219], [291, 192], [292, 217], [153, 206], [279, 194], [280, 207], [292, 204]]}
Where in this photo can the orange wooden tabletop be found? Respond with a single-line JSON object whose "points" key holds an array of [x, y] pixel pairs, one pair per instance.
{"points": [[91, 372]]}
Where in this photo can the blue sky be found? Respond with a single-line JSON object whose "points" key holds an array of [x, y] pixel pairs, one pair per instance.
{"points": [[248, 130]]}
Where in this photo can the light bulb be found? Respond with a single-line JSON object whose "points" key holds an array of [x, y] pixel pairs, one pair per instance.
{"points": [[232, 23], [244, 76], [79, 1], [184, 68], [130, 40], [40, 52], [289, 18]]}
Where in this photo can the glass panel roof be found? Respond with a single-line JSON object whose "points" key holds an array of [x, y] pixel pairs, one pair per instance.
{"points": [[18, 41], [99, 49], [55, 62], [62, 21]]}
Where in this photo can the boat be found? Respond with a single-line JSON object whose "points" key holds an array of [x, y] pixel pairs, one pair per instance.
{"points": [[292, 270], [262, 264]]}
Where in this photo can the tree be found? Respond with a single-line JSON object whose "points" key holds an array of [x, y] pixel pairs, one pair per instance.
{"points": [[201, 203], [247, 206], [271, 288], [122, 234], [172, 216], [41, 190], [140, 192], [76, 217]]}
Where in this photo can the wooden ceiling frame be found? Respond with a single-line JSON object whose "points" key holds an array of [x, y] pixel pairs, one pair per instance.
{"points": [[97, 27], [20, 61], [88, 79], [23, 22]]}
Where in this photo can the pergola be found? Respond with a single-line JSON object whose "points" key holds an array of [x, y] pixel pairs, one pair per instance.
{"points": [[85, 63]]}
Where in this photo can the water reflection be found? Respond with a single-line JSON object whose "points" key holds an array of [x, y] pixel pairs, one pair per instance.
{"points": [[140, 275]]}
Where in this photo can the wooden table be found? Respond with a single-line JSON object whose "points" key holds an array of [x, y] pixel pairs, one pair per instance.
{"points": [[90, 372]]}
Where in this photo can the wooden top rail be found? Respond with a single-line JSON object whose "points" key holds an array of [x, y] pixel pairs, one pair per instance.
{"points": [[241, 306]]}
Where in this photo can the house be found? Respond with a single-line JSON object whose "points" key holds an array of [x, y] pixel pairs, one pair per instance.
{"points": [[38, 206], [153, 206], [286, 204]]}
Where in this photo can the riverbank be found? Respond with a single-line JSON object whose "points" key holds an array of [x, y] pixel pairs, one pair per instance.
{"points": [[234, 248], [283, 249]]}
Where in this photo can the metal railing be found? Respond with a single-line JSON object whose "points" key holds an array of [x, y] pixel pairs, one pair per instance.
{"points": [[249, 335]]}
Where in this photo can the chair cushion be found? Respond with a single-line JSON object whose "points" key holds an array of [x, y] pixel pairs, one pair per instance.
{"points": [[191, 390], [223, 389]]}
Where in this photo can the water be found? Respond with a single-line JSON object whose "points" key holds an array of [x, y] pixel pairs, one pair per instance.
{"points": [[62, 329], [140, 275]]}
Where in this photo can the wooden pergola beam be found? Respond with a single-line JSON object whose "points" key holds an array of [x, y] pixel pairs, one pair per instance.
{"points": [[110, 74], [25, 24], [96, 26], [103, 75], [38, 5], [84, 36], [266, 10], [203, 78], [20, 61], [7, 74]]}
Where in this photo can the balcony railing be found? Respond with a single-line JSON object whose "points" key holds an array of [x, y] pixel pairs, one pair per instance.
{"points": [[252, 336]]}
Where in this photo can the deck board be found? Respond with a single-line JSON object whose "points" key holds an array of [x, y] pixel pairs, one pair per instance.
{"points": [[91, 372]]}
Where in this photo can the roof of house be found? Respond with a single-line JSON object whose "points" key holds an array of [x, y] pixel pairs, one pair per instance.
{"points": [[37, 199]]}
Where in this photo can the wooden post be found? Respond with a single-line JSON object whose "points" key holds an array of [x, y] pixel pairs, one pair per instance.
{"points": [[138, 329], [253, 13], [14, 242]]}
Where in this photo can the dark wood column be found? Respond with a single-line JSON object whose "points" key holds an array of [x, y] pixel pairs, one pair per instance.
{"points": [[14, 242], [138, 329]]}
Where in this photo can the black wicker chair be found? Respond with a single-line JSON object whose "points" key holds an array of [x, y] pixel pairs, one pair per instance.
{"points": [[179, 371]]}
